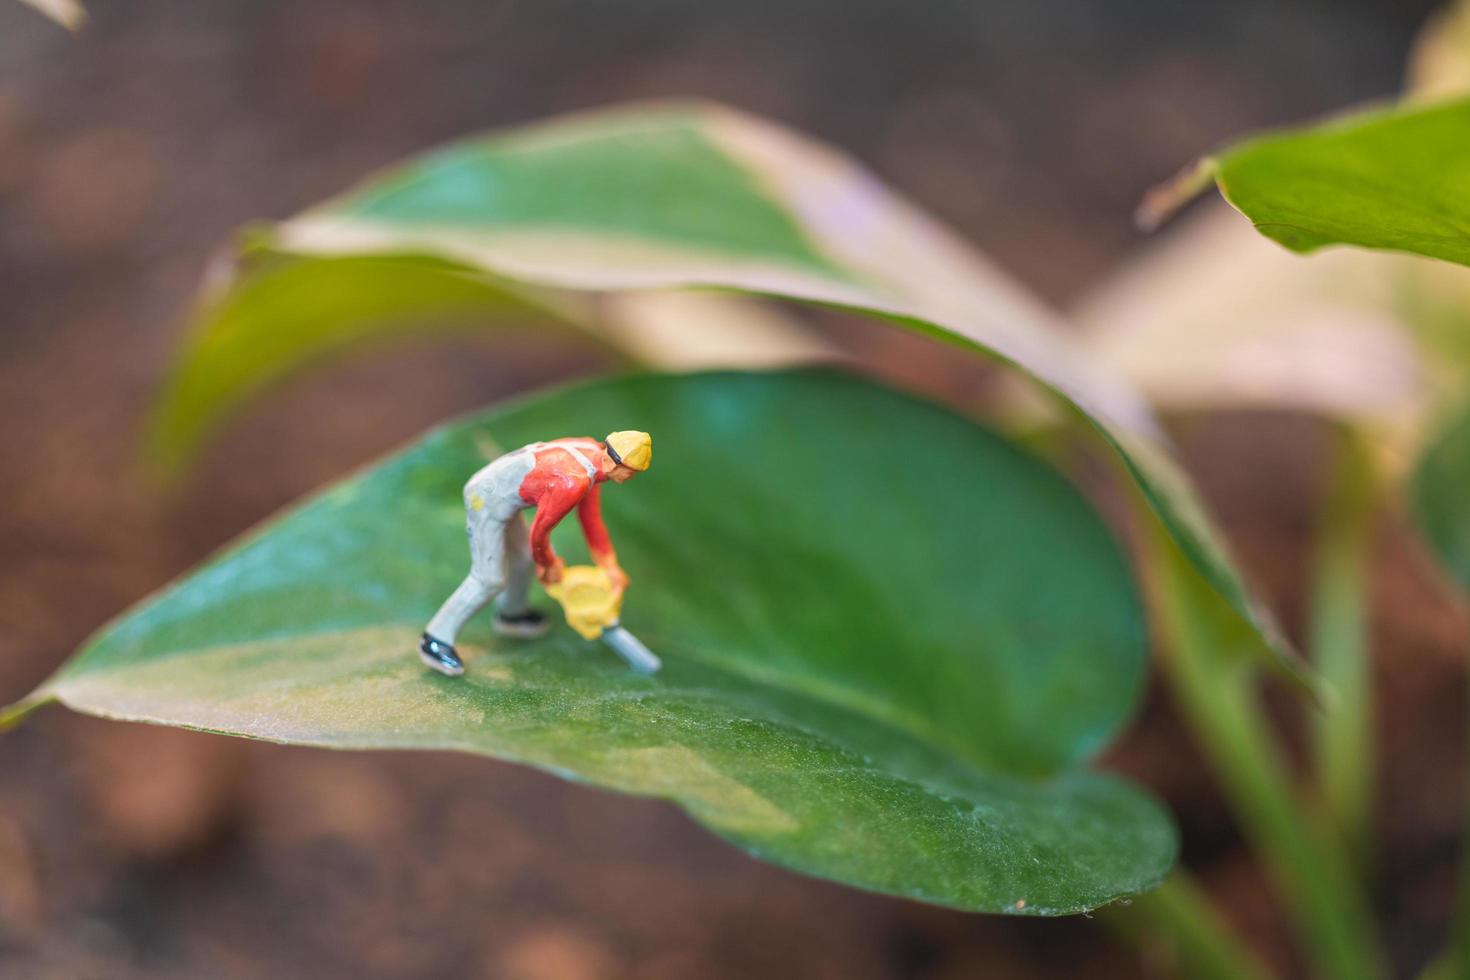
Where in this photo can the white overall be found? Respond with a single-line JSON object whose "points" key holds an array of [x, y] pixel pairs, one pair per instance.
{"points": [[500, 544]]}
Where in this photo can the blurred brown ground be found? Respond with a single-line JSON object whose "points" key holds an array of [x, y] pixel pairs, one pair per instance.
{"points": [[128, 153]]}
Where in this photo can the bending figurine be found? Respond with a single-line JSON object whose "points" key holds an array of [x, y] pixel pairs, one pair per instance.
{"points": [[552, 477]]}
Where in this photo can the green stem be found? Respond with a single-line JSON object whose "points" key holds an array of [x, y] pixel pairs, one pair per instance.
{"points": [[1455, 960], [1460, 924], [1437, 493], [1446, 966], [1459, 951], [1211, 667], [1343, 741], [1175, 925]]}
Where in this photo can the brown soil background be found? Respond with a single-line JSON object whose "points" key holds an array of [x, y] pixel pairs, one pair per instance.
{"points": [[129, 152]]}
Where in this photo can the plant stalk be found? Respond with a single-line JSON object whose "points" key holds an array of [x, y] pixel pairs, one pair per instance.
{"points": [[1176, 926], [1454, 961], [1211, 667], [1343, 734], [1460, 924]]}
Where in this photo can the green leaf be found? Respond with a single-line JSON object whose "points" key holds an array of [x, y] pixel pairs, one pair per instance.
{"points": [[1396, 179], [891, 639], [688, 196]]}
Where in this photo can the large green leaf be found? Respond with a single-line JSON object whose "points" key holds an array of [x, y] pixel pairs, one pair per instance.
{"points": [[891, 639], [1395, 179], [687, 196]]}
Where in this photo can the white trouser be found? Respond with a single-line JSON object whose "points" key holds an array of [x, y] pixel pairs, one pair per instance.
{"points": [[500, 565]]}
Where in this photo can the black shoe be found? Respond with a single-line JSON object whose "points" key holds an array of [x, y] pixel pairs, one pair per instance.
{"points": [[530, 623], [440, 656]]}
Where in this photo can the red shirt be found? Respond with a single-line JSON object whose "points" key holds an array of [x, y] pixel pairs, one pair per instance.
{"points": [[557, 483]]}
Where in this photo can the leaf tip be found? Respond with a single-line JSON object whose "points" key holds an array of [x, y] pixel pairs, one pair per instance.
{"points": [[1303, 679], [1161, 201], [68, 13], [14, 714]]}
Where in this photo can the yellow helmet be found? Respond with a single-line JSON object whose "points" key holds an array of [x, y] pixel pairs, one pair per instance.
{"points": [[631, 448]]}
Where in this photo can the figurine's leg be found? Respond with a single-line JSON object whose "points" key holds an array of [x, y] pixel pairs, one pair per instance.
{"points": [[485, 581], [516, 598], [460, 608], [515, 617]]}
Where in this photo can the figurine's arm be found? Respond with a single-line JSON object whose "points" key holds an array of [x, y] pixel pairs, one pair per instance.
{"points": [[555, 504], [589, 513]]}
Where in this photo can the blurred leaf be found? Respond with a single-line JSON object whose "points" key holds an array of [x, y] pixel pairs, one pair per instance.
{"points": [[891, 639], [68, 13], [1323, 336], [1439, 63], [687, 196], [1393, 179], [1369, 337], [284, 312], [734, 331], [280, 313]]}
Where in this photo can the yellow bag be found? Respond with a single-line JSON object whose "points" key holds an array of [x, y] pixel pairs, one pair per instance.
{"points": [[588, 599]]}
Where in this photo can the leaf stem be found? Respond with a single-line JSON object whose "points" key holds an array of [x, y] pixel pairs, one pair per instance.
{"points": [[1176, 926], [1211, 670], [1343, 735]]}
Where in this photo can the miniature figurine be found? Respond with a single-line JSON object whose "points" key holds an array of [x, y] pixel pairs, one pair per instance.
{"points": [[553, 477]]}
